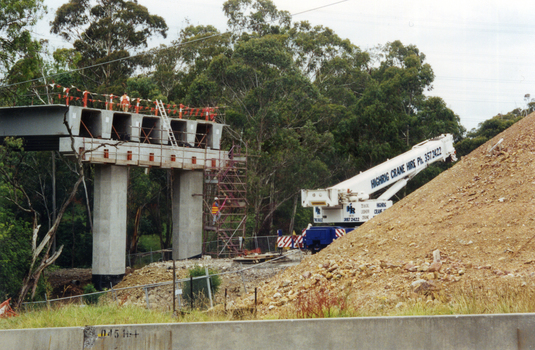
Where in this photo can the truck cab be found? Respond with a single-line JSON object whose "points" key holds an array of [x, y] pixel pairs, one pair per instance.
{"points": [[318, 237]]}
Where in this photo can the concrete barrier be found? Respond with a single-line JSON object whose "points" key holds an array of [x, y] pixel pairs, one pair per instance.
{"points": [[42, 338], [505, 331]]}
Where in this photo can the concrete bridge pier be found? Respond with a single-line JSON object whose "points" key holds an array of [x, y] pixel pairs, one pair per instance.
{"points": [[109, 225], [187, 213]]}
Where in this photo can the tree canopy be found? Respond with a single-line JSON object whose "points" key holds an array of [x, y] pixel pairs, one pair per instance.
{"points": [[104, 34], [16, 19]]}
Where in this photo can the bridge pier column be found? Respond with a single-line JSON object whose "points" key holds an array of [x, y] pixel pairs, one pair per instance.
{"points": [[109, 225], [187, 213]]}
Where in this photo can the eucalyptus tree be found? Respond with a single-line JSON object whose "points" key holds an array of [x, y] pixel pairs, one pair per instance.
{"points": [[16, 20], [271, 107], [105, 33], [17, 17], [196, 47]]}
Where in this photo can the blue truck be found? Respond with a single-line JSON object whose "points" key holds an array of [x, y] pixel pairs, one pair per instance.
{"points": [[317, 238]]}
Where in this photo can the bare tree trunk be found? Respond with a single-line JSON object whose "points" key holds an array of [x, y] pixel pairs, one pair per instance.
{"points": [[291, 228], [73, 236], [135, 236], [271, 205], [88, 206], [54, 194], [31, 280]]}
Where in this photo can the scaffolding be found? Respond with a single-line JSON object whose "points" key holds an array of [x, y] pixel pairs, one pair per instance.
{"points": [[227, 181]]}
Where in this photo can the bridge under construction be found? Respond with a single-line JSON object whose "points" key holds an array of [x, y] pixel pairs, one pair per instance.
{"points": [[115, 140]]}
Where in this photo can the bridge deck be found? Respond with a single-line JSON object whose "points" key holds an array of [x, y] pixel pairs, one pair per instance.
{"points": [[115, 137]]}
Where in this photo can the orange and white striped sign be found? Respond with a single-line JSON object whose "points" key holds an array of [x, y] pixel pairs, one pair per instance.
{"points": [[339, 232], [286, 241]]}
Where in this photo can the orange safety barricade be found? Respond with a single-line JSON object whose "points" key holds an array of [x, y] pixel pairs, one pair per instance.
{"points": [[111, 102], [85, 98], [66, 90], [254, 251], [6, 310]]}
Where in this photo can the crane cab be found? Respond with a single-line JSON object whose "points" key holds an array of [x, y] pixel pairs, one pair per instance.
{"points": [[352, 213]]}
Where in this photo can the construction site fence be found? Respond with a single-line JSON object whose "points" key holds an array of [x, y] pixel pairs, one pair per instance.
{"points": [[151, 291], [256, 244], [139, 260]]}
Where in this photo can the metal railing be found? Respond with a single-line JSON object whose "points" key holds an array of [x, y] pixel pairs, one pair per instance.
{"points": [[138, 260], [73, 96]]}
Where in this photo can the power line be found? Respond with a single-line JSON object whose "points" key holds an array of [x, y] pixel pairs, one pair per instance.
{"points": [[143, 53], [113, 61], [320, 7], [483, 80]]}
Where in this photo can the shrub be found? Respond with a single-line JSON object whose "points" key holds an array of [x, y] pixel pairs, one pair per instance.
{"points": [[90, 299], [199, 288]]}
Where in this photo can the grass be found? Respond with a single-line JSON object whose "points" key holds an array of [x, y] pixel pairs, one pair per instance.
{"points": [[466, 299], [82, 315], [74, 315], [473, 299]]}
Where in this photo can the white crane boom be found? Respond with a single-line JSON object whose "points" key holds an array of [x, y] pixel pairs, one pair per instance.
{"points": [[349, 200]]}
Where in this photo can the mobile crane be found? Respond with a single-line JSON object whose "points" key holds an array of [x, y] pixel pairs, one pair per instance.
{"points": [[349, 204]]}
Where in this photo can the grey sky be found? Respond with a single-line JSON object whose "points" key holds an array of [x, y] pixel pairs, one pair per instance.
{"points": [[480, 51]]}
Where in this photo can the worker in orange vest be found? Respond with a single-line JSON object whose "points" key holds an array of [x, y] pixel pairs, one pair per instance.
{"points": [[125, 102], [216, 213]]}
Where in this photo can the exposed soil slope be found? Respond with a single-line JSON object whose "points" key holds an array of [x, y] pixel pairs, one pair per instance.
{"points": [[479, 214]]}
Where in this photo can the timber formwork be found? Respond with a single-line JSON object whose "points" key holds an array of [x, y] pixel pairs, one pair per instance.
{"points": [[228, 182]]}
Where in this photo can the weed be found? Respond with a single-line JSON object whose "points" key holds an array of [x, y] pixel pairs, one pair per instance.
{"points": [[319, 303]]}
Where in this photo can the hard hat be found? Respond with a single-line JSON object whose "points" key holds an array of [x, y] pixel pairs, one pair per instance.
{"points": [[216, 198]]}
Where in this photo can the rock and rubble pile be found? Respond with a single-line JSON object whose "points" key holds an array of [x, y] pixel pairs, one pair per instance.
{"points": [[234, 282], [473, 224]]}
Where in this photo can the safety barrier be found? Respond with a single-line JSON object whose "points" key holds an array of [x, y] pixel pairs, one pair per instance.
{"points": [[74, 96], [489, 332], [290, 242], [139, 260]]}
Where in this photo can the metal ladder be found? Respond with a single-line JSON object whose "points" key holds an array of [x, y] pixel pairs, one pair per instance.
{"points": [[167, 124]]}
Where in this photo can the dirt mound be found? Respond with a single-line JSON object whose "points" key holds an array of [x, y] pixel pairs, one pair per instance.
{"points": [[479, 214]]}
